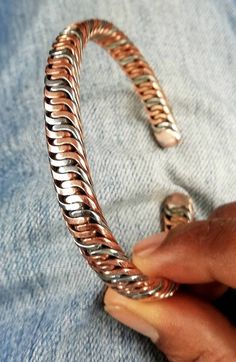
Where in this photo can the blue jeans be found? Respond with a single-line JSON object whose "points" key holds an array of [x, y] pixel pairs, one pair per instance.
{"points": [[51, 302]]}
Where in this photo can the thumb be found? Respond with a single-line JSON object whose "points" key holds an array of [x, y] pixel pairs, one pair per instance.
{"points": [[183, 327]]}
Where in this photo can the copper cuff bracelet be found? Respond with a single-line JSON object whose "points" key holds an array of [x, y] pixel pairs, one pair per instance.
{"points": [[68, 159]]}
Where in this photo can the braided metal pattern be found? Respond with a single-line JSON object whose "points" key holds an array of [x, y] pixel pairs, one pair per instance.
{"points": [[67, 153], [176, 209]]}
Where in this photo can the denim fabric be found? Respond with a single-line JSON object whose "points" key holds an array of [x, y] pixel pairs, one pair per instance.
{"points": [[51, 302]]}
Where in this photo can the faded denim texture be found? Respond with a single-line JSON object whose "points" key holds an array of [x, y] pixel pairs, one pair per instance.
{"points": [[51, 302]]}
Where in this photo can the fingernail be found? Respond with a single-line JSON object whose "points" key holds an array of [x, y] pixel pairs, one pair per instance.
{"points": [[133, 321], [146, 246]]}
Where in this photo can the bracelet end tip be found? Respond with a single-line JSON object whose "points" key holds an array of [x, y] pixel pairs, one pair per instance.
{"points": [[168, 138]]}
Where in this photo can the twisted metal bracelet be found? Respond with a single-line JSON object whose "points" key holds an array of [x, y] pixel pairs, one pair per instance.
{"points": [[68, 159]]}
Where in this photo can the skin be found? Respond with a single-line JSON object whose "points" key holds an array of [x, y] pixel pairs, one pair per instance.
{"points": [[187, 327]]}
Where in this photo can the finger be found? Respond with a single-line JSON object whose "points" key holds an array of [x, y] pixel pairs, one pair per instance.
{"points": [[211, 291], [224, 211], [184, 328], [199, 252], [207, 291]]}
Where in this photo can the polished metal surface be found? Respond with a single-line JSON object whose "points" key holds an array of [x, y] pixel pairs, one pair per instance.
{"points": [[176, 209], [67, 152]]}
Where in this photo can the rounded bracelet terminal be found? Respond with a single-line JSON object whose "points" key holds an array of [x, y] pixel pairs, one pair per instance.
{"points": [[67, 153]]}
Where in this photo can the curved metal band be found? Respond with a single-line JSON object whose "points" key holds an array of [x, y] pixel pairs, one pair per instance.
{"points": [[67, 153]]}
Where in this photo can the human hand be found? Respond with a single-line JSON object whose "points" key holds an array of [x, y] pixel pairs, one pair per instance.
{"points": [[202, 255]]}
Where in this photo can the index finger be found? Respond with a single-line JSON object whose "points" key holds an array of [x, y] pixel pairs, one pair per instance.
{"points": [[199, 252], [224, 211]]}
